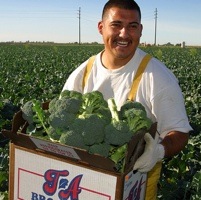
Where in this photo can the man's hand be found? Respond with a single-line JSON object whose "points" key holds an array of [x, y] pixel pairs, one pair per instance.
{"points": [[153, 153]]}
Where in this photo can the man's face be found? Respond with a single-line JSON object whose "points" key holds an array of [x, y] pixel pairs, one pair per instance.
{"points": [[121, 31]]}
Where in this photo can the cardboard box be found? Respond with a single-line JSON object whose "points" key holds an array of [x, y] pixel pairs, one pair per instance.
{"points": [[43, 170]]}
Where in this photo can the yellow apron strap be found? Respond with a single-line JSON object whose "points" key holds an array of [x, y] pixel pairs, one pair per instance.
{"points": [[87, 70], [153, 177], [138, 76]]}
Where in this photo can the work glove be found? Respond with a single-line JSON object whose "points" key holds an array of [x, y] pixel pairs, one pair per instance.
{"points": [[153, 153]]}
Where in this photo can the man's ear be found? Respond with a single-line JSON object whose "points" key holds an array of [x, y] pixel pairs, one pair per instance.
{"points": [[141, 30], [100, 27]]}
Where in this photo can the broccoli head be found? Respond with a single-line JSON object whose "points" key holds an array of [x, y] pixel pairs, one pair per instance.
{"points": [[70, 105], [74, 139], [93, 101], [102, 149], [137, 119], [143, 124], [60, 120], [129, 105], [91, 128], [69, 101], [30, 116], [71, 94], [134, 114], [105, 114], [63, 111], [102, 113], [117, 132]]}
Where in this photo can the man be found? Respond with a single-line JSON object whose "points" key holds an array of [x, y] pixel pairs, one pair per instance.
{"points": [[112, 74]]}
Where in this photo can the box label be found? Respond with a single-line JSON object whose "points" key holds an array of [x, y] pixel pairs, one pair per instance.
{"points": [[55, 148], [38, 177]]}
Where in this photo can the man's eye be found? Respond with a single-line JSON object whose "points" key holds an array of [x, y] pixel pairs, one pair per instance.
{"points": [[133, 26], [115, 25]]}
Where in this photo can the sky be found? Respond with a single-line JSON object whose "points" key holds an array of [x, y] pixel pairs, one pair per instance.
{"points": [[58, 21]]}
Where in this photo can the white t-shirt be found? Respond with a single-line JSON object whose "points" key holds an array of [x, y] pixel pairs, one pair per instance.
{"points": [[158, 90]]}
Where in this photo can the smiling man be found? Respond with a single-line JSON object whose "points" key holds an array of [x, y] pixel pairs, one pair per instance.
{"points": [[112, 73]]}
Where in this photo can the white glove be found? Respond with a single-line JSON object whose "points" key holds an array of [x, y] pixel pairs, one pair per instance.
{"points": [[153, 153]]}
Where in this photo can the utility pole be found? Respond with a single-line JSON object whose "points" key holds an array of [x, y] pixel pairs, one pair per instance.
{"points": [[156, 16], [79, 17]]}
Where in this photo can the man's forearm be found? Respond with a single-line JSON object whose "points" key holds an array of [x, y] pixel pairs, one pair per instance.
{"points": [[174, 142]]}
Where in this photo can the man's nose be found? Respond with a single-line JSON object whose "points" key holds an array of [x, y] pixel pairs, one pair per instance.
{"points": [[123, 32]]}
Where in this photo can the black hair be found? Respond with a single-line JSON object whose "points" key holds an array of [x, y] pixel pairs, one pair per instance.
{"points": [[124, 4]]}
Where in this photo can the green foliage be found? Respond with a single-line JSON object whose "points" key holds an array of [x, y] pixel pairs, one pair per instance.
{"points": [[7, 110], [196, 186], [181, 174], [4, 171]]}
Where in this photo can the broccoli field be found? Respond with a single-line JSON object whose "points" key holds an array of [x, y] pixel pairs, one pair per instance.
{"points": [[39, 71]]}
